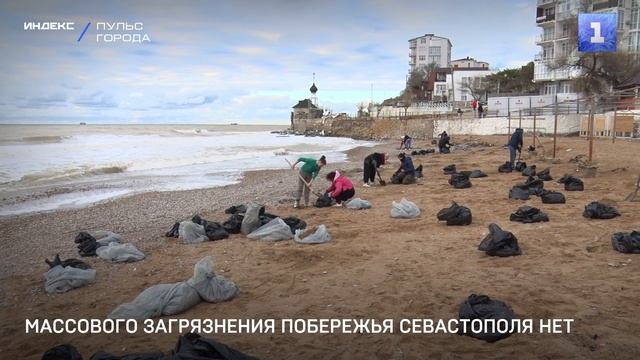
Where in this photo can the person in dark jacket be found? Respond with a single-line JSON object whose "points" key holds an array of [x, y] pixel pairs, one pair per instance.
{"points": [[480, 110], [371, 164], [515, 143], [443, 143], [406, 174]]}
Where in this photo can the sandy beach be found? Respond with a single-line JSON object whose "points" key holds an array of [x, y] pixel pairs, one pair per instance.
{"points": [[375, 266]]}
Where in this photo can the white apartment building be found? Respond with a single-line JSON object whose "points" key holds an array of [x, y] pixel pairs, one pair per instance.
{"points": [[552, 18], [428, 49]]}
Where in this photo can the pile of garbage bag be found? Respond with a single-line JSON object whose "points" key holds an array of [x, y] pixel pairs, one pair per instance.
{"points": [[500, 243], [455, 215], [319, 236], [482, 307], [404, 209], [528, 214], [597, 210], [66, 275], [572, 183], [460, 181], [358, 204], [628, 243], [175, 298]]}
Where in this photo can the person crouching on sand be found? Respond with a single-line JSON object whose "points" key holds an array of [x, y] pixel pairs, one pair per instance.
{"points": [[406, 174], [341, 188], [307, 173], [371, 164]]}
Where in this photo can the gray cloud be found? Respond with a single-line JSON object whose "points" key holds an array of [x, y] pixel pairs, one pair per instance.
{"points": [[42, 101], [97, 100]]}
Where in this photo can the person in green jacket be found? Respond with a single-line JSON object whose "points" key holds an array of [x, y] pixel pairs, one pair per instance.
{"points": [[308, 172]]}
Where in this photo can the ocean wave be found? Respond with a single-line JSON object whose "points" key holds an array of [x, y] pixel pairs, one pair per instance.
{"points": [[46, 176], [44, 139], [191, 131]]}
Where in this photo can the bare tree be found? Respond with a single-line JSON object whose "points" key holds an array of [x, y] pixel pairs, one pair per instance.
{"points": [[417, 79], [475, 86]]}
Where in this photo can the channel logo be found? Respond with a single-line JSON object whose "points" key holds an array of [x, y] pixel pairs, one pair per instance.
{"points": [[597, 32]]}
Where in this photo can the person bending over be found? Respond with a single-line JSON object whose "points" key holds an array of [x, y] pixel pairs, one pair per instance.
{"points": [[307, 173], [515, 143], [371, 164], [341, 188], [406, 174]]}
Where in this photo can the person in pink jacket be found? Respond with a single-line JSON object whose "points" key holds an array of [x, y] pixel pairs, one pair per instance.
{"points": [[341, 188]]}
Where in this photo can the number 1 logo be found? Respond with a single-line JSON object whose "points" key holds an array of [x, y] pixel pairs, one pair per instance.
{"points": [[597, 32]]}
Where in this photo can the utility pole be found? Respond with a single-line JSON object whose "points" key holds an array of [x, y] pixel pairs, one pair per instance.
{"points": [[591, 120], [555, 126]]}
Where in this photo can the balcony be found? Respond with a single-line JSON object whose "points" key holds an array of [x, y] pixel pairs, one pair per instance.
{"points": [[605, 5], [545, 18], [544, 2], [544, 38]]}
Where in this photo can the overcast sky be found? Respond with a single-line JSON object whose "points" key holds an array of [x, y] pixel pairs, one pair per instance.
{"points": [[235, 61]]}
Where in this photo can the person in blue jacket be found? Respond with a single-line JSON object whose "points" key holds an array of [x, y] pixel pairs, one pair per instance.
{"points": [[515, 143], [406, 174]]}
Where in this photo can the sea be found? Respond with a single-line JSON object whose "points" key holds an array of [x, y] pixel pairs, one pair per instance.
{"points": [[49, 167]]}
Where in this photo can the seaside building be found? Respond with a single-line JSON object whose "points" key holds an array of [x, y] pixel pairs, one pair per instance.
{"points": [[555, 18], [307, 108], [429, 49]]}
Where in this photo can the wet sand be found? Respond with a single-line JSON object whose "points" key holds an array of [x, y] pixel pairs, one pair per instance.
{"points": [[375, 266]]}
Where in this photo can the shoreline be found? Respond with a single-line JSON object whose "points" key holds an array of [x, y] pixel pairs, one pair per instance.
{"points": [[375, 267], [272, 188]]}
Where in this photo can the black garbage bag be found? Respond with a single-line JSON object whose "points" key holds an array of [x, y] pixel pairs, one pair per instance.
{"points": [[174, 232], [266, 217], [500, 243], [87, 244], [194, 347], [552, 197], [295, 224], [323, 201], [460, 181], [419, 171], [449, 169], [427, 151], [214, 230], [477, 174], [529, 171], [483, 307], [520, 165], [628, 243], [505, 168], [62, 352], [196, 219], [528, 214], [455, 215], [572, 183], [414, 153], [596, 210], [232, 225], [397, 178], [545, 175], [236, 209], [75, 263], [519, 193], [533, 185]]}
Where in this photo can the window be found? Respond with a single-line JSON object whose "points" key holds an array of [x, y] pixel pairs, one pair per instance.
{"points": [[434, 50], [549, 12], [423, 41], [634, 41], [635, 19], [620, 3], [441, 77], [547, 53], [421, 57], [565, 49], [565, 30], [434, 59], [548, 34], [550, 89], [620, 20]]}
